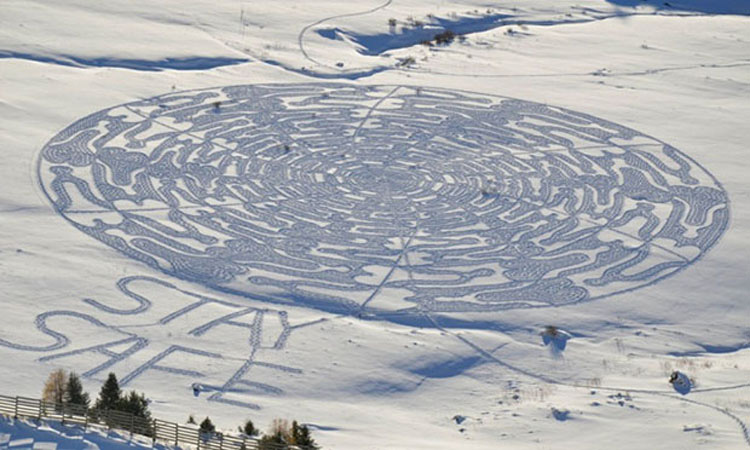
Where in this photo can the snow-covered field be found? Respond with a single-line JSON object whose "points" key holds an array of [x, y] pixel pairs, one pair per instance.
{"points": [[309, 212], [24, 434]]}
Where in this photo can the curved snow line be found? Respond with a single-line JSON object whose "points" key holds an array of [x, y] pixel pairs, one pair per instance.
{"points": [[301, 36], [188, 63]]}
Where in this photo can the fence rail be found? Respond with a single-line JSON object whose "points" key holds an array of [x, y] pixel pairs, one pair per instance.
{"points": [[156, 429]]}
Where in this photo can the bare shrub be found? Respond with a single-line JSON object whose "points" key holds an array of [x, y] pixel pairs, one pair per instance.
{"points": [[55, 386]]}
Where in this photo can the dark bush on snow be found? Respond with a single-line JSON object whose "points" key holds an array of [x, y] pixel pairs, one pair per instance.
{"points": [[446, 37]]}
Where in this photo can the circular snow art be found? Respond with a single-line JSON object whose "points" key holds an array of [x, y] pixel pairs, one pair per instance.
{"points": [[383, 199]]}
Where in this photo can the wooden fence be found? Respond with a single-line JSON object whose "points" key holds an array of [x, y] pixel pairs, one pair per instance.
{"points": [[157, 430]]}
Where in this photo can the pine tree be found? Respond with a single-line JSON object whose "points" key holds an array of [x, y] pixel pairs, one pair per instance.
{"points": [[191, 420], [294, 432], [54, 387], [135, 404], [249, 428], [302, 438], [110, 394], [74, 394], [207, 426], [305, 439]]}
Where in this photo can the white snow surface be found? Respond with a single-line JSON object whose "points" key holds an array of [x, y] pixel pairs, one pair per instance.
{"points": [[678, 71], [41, 435]]}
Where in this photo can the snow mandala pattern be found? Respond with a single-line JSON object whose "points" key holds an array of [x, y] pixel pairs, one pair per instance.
{"points": [[383, 200]]}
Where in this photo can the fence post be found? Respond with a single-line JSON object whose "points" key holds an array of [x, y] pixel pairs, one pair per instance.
{"points": [[39, 411], [176, 434], [15, 413], [62, 409], [221, 441], [132, 425]]}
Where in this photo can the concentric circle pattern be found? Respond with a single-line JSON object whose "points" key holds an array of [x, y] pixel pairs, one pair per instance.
{"points": [[383, 199]]}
